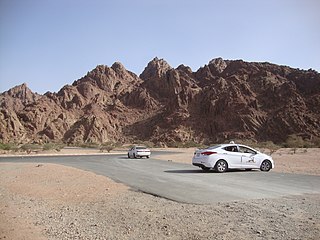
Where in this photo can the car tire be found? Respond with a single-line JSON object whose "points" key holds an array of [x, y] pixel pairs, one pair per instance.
{"points": [[266, 166], [134, 155], [128, 155], [221, 166], [147, 156]]}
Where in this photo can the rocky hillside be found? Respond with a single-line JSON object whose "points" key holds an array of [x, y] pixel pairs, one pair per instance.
{"points": [[222, 100]]}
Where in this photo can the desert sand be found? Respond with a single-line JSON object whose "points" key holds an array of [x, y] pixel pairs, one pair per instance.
{"points": [[48, 201]]}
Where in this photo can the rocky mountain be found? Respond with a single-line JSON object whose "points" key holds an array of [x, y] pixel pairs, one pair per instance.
{"points": [[222, 100]]}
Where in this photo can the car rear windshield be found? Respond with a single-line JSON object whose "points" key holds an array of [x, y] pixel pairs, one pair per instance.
{"points": [[214, 147], [141, 148]]}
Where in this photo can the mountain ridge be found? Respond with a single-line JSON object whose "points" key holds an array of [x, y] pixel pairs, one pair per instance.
{"points": [[223, 100]]}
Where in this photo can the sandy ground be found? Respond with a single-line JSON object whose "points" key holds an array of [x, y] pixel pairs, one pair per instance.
{"points": [[48, 201]]}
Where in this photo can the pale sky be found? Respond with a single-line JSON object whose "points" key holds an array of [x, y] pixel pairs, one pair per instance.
{"points": [[50, 43]]}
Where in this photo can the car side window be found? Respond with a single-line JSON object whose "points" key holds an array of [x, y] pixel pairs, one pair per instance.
{"points": [[231, 149], [246, 150]]}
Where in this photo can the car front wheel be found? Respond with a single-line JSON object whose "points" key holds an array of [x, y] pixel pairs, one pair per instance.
{"points": [[221, 166], [265, 166]]}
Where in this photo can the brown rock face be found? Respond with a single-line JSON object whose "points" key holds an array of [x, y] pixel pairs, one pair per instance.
{"points": [[221, 101]]}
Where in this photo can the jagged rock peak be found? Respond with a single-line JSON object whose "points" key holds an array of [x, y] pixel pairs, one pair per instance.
{"points": [[160, 64], [20, 91], [184, 68], [104, 69], [117, 66], [21, 87], [219, 64], [156, 67], [99, 69]]}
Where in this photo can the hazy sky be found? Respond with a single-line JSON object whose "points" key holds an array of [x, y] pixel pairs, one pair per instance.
{"points": [[50, 43]]}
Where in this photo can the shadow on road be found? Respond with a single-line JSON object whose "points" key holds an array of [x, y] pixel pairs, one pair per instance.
{"points": [[125, 157], [184, 171], [211, 171]]}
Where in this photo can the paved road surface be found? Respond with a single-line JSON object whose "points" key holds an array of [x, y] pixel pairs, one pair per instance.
{"points": [[184, 182]]}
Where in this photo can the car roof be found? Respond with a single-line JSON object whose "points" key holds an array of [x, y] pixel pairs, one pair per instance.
{"points": [[228, 145]]}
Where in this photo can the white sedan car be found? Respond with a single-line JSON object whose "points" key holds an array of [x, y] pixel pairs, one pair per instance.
{"points": [[231, 156], [139, 152]]}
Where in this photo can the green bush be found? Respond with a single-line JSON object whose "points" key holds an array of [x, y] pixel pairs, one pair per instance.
{"points": [[9, 147], [5, 146], [315, 142], [294, 141], [29, 147]]}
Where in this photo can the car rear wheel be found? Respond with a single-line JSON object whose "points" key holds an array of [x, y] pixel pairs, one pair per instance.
{"points": [[221, 166], [147, 156], [265, 166]]}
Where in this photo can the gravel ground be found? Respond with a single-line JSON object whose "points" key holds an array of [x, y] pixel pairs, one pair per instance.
{"points": [[48, 201]]}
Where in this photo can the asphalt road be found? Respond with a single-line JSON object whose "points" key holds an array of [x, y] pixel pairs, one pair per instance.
{"points": [[184, 182]]}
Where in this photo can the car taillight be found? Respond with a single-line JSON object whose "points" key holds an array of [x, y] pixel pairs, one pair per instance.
{"points": [[208, 153]]}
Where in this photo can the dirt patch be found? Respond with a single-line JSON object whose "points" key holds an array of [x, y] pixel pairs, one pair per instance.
{"points": [[59, 184], [48, 201]]}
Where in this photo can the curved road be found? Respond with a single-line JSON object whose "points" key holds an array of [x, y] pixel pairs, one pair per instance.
{"points": [[184, 182]]}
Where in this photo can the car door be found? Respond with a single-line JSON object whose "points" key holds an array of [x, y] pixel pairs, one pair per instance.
{"points": [[233, 156], [247, 157]]}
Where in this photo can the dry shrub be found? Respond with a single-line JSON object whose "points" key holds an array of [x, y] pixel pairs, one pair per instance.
{"points": [[107, 146]]}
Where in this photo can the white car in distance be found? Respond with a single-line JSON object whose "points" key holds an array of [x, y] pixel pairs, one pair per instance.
{"points": [[231, 156], [139, 152]]}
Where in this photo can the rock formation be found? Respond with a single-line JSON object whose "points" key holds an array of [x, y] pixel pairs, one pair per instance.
{"points": [[220, 101]]}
